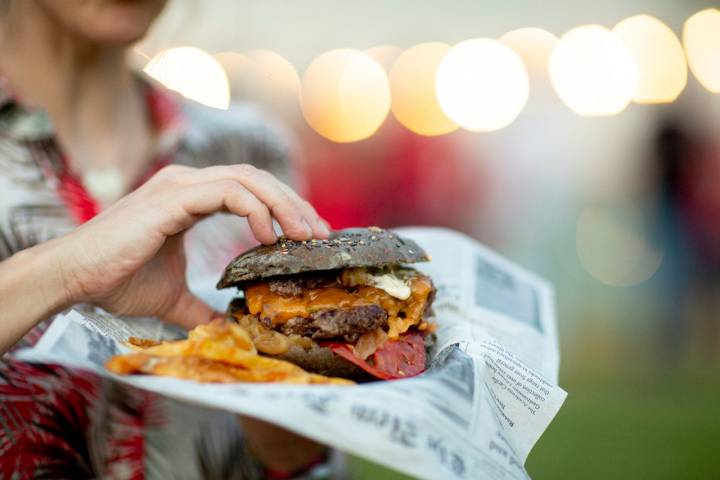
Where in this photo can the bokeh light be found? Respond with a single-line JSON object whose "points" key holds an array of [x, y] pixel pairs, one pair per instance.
{"points": [[613, 247], [412, 83], [593, 72], [345, 95], [701, 36], [659, 56], [482, 85], [235, 65], [192, 73], [534, 45], [264, 76], [385, 55]]}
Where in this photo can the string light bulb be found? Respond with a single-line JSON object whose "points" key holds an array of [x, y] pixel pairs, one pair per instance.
{"points": [[593, 72], [192, 73], [659, 56], [412, 83], [482, 85], [345, 95], [701, 36]]}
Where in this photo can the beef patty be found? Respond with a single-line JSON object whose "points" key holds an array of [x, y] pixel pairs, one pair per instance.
{"points": [[347, 324]]}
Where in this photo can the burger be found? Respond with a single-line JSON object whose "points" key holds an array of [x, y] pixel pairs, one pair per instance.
{"points": [[349, 306]]}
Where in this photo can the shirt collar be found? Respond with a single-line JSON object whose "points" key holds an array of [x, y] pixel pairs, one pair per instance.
{"points": [[20, 121], [6, 96]]}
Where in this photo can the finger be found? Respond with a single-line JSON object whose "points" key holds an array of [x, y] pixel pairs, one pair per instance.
{"points": [[192, 202], [189, 311], [267, 189], [317, 224]]}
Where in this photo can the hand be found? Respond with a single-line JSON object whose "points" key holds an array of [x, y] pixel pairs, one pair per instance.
{"points": [[278, 449], [129, 259]]}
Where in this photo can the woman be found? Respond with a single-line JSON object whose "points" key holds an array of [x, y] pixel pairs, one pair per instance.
{"points": [[79, 131]]}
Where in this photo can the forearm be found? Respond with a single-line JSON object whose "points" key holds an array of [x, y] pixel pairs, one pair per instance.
{"points": [[32, 288]]}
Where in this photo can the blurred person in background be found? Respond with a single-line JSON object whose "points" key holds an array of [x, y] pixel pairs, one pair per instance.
{"points": [[78, 131], [688, 207]]}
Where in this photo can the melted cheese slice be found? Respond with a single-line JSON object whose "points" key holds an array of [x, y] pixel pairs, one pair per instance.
{"points": [[402, 314]]}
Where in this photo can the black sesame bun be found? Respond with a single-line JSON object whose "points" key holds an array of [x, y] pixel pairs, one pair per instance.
{"points": [[354, 247], [350, 248]]}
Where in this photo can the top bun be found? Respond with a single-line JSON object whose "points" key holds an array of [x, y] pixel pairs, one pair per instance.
{"points": [[352, 247]]}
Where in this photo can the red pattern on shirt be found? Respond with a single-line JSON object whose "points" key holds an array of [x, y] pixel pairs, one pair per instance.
{"points": [[47, 410]]}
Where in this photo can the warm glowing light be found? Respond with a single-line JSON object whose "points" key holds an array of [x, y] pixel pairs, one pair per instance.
{"points": [[193, 73], [236, 66], [701, 36], [534, 46], [658, 54], [482, 85], [613, 247], [345, 95], [412, 83], [593, 72], [262, 75], [385, 55]]}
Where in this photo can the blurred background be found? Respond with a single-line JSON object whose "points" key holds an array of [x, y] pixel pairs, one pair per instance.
{"points": [[580, 139]]}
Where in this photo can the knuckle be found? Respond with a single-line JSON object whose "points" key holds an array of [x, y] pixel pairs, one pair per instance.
{"points": [[285, 205], [228, 187], [308, 206], [170, 171], [258, 209], [246, 170], [167, 178]]}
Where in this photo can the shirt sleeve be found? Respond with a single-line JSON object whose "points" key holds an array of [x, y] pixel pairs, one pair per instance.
{"points": [[30, 211]]}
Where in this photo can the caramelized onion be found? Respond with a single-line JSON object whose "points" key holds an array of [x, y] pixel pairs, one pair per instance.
{"points": [[369, 342]]}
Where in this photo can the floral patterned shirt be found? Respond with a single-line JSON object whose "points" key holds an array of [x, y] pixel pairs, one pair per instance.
{"points": [[62, 423]]}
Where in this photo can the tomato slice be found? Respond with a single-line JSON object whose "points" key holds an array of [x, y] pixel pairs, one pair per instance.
{"points": [[401, 358]]}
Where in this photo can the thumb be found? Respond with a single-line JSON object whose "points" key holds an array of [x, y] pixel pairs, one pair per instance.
{"points": [[189, 311]]}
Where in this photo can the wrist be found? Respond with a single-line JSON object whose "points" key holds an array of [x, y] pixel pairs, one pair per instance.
{"points": [[32, 288], [46, 268]]}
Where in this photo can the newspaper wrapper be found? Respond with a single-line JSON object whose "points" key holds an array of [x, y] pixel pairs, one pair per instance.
{"points": [[489, 394]]}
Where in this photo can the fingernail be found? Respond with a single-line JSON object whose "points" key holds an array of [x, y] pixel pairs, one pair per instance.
{"points": [[308, 228], [324, 230]]}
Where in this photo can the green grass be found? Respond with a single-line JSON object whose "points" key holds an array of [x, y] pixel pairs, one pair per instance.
{"points": [[641, 424], [638, 426]]}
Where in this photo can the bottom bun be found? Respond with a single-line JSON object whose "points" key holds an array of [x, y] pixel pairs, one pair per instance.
{"points": [[323, 361]]}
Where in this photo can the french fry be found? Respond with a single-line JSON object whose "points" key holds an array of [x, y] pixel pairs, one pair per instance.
{"points": [[217, 352]]}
